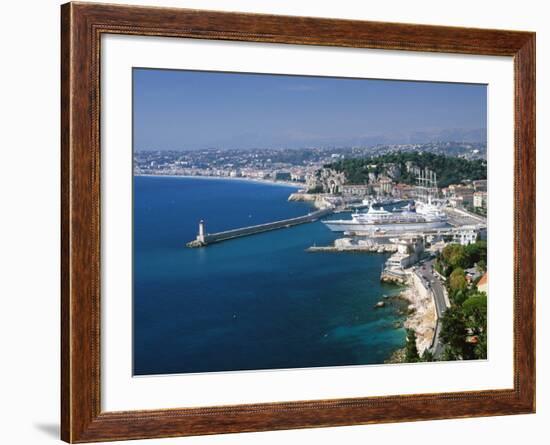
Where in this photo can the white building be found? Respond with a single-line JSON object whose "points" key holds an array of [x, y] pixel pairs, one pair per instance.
{"points": [[480, 200], [409, 251], [465, 235]]}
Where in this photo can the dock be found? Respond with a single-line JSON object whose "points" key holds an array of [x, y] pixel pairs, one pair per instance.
{"points": [[204, 239], [355, 249]]}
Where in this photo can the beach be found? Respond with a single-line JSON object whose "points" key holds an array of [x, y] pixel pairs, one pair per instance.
{"points": [[293, 184]]}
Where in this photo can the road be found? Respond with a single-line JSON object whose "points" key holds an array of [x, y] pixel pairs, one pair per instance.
{"points": [[458, 218], [431, 280]]}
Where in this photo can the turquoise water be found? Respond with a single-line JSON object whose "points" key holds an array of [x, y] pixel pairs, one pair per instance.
{"points": [[258, 302]]}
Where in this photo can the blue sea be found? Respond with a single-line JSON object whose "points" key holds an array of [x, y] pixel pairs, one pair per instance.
{"points": [[258, 302]]}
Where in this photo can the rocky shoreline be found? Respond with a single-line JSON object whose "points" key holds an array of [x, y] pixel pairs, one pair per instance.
{"points": [[317, 200], [421, 317], [397, 356]]}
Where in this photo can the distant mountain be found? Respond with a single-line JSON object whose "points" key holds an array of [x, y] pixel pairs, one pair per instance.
{"points": [[455, 134], [300, 140]]}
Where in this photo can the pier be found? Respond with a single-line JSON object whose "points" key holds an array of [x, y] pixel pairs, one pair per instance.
{"points": [[204, 239]]}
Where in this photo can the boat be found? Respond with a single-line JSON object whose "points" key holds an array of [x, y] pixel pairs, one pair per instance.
{"points": [[426, 216]]}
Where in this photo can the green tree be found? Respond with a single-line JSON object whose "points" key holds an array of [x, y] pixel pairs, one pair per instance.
{"points": [[411, 355], [449, 169], [480, 350], [457, 280], [459, 297], [453, 335], [475, 312], [454, 255], [476, 252], [450, 354], [439, 266], [317, 189], [427, 356], [482, 266]]}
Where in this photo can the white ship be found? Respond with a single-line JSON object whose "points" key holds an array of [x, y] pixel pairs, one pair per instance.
{"points": [[427, 215]]}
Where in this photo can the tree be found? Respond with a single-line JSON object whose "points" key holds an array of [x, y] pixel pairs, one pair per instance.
{"points": [[453, 334], [316, 189], [459, 297], [475, 312], [427, 356], [411, 355], [481, 266], [454, 255], [457, 281], [449, 354], [476, 252], [480, 350], [449, 169], [439, 266], [464, 326]]}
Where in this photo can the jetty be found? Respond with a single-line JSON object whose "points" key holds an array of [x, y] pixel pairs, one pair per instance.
{"points": [[356, 248], [204, 239]]}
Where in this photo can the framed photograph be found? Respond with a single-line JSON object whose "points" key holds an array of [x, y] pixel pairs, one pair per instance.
{"points": [[274, 222]]}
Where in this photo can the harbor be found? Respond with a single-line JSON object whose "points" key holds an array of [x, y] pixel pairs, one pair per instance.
{"points": [[204, 239], [295, 230], [414, 231], [266, 284], [412, 228]]}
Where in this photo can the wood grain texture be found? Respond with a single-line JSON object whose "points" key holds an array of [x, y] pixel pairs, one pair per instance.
{"points": [[81, 28]]}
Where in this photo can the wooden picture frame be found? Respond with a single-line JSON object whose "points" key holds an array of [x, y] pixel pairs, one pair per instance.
{"points": [[82, 25]]}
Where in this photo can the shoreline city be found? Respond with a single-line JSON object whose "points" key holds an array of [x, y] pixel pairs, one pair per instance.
{"points": [[448, 175]]}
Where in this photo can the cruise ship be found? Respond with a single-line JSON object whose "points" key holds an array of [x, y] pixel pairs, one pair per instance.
{"points": [[426, 216]]}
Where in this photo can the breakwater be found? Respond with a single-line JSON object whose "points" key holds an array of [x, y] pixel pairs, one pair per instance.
{"points": [[382, 248], [204, 239]]}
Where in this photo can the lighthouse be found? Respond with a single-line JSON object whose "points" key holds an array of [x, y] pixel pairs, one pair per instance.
{"points": [[200, 236]]}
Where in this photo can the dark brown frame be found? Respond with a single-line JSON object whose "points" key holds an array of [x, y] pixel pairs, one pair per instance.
{"points": [[82, 25]]}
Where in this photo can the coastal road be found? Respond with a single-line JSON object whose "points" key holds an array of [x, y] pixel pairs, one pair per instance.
{"points": [[426, 273]]}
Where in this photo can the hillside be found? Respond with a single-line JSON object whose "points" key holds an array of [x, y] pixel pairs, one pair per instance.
{"points": [[449, 169]]}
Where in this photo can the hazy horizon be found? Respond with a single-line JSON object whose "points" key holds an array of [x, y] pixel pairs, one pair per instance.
{"points": [[188, 110]]}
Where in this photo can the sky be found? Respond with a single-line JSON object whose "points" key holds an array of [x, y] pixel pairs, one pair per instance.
{"points": [[179, 109]]}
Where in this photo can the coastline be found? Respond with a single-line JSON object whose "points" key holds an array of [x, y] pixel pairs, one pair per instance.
{"points": [[288, 184], [416, 310], [421, 317], [267, 272]]}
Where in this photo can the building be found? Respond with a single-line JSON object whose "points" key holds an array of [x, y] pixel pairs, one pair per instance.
{"points": [[482, 283], [480, 200], [480, 185], [356, 190], [461, 195], [459, 201], [409, 251], [385, 185], [282, 176], [404, 191], [298, 177], [472, 274], [465, 235]]}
